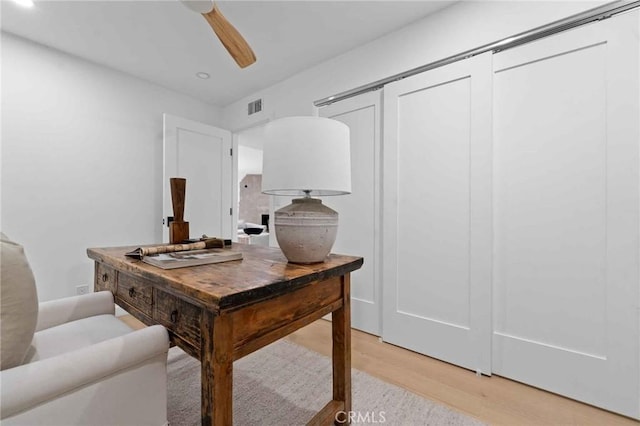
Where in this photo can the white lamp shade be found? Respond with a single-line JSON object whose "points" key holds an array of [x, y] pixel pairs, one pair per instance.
{"points": [[306, 154]]}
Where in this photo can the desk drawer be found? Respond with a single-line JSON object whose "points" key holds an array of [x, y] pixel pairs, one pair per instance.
{"points": [[178, 316], [136, 292], [105, 278]]}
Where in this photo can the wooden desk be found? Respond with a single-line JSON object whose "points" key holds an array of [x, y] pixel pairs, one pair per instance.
{"points": [[219, 313]]}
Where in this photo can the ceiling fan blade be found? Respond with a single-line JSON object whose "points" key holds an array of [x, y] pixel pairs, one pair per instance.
{"points": [[235, 44]]}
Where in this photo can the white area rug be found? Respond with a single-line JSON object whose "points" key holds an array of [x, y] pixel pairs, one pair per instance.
{"points": [[286, 384]]}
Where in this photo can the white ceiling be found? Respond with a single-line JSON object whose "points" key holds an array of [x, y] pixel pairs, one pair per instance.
{"points": [[166, 43]]}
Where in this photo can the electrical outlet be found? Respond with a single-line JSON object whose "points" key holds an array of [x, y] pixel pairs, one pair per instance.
{"points": [[82, 289]]}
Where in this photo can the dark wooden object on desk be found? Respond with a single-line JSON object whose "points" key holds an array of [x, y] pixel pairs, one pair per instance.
{"points": [[178, 228], [221, 312]]}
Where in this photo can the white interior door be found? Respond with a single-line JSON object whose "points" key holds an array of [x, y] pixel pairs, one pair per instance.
{"points": [[201, 154], [566, 214], [437, 213], [359, 231]]}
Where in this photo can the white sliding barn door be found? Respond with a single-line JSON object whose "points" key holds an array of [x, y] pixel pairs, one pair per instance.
{"points": [[359, 230], [566, 214], [437, 213], [201, 154]]}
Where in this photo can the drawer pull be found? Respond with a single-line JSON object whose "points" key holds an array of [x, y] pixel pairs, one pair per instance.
{"points": [[132, 292], [105, 277], [174, 316]]}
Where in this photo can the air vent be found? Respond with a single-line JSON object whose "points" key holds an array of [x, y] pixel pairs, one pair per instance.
{"points": [[255, 106]]}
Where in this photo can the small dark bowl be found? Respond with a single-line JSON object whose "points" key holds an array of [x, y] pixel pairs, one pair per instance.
{"points": [[253, 231]]}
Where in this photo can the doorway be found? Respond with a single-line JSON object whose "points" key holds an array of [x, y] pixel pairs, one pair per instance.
{"points": [[252, 205]]}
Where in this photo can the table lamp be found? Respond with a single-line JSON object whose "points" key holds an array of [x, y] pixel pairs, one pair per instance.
{"points": [[306, 156]]}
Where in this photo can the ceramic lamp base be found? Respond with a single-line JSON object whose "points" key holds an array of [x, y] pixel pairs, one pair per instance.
{"points": [[306, 230]]}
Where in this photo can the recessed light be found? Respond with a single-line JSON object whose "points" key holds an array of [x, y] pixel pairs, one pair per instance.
{"points": [[202, 75], [24, 3]]}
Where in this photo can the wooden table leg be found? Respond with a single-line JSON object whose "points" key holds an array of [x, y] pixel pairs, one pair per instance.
{"points": [[341, 331], [223, 371], [206, 367], [217, 370]]}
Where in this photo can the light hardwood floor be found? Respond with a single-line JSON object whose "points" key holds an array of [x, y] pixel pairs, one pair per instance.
{"points": [[493, 400]]}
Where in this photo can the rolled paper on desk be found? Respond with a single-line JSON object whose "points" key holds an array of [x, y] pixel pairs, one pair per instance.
{"points": [[140, 252]]}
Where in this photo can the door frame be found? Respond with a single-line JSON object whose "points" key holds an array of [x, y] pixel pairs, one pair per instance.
{"points": [[170, 122]]}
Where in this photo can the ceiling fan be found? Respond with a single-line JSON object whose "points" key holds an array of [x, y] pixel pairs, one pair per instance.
{"points": [[231, 39]]}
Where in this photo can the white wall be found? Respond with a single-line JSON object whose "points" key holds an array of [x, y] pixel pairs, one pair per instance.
{"points": [[81, 159], [82, 144], [249, 161], [453, 30]]}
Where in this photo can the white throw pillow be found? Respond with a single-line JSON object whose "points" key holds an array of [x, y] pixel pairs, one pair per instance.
{"points": [[18, 304]]}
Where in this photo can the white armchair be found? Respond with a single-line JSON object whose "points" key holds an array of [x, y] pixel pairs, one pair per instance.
{"points": [[83, 366]]}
